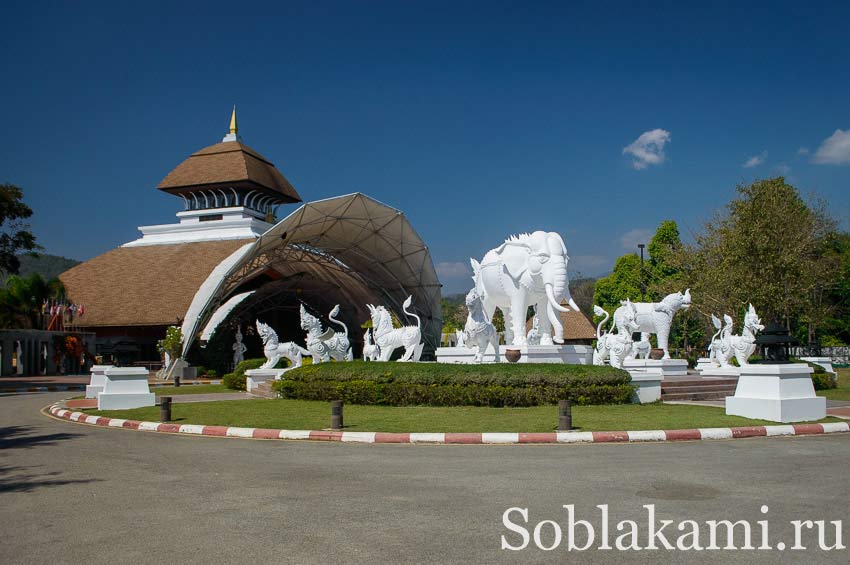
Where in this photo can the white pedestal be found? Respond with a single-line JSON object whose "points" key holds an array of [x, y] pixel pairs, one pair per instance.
{"points": [[667, 367], [648, 386], [715, 371], [825, 362], [253, 377], [97, 381], [125, 387], [569, 354], [704, 363], [778, 393]]}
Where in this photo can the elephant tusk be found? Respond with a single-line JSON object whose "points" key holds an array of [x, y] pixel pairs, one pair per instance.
{"points": [[573, 304], [550, 294]]}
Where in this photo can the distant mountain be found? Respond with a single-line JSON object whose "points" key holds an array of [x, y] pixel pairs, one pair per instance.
{"points": [[48, 266]]}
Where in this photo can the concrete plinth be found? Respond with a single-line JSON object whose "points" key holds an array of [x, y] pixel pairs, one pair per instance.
{"points": [[704, 363], [667, 367], [97, 381], [253, 377], [778, 393], [715, 371], [570, 354], [648, 386], [125, 387], [825, 362]]}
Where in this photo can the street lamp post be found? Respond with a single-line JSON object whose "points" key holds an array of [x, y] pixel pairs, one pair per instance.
{"points": [[642, 282]]}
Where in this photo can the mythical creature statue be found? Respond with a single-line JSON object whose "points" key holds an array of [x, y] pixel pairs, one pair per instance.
{"points": [[738, 346], [325, 345], [655, 317], [274, 350], [479, 331], [370, 350], [388, 338], [461, 338], [616, 347], [526, 269], [533, 335], [714, 342]]}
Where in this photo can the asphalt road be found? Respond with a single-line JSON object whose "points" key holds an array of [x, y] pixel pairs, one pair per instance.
{"points": [[72, 494]]}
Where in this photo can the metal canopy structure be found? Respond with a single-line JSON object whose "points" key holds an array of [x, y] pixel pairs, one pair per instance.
{"points": [[349, 250]]}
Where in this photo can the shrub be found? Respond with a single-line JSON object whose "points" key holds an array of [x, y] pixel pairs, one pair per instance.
{"points": [[200, 370], [211, 373], [824, 380], [406, 384], [236, 379]]}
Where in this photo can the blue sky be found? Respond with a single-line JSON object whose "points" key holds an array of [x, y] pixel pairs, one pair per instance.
{"points": [[477, 119]]}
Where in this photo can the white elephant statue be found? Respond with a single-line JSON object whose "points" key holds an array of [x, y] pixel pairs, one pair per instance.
{"points": [[528, 269]]}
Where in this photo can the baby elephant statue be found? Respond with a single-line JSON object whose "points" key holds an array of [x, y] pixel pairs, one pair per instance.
{"points": [[615, 347], [326, 345], [479, 331], [274, 350], [388, 338]]}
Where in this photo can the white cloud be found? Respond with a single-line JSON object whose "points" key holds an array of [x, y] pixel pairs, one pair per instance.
{"points": [[835, 150], [755, 160], [803, 151], [453, 270], [648, 149], [631, 238], [782, 168]]}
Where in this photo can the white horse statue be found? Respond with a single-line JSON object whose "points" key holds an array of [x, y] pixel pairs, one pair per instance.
{"points": [[274, 350], [615, 347], [738, 346], [325, 345], [371, 352], [479, 331], [388, 338]]}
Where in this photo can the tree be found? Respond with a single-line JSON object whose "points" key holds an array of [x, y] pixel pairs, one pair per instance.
{"points": [[22, 298], [767, 248], [622, 283], [15, 236]]}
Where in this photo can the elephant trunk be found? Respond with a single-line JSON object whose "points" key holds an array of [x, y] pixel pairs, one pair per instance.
{"points": [[555, 320]]}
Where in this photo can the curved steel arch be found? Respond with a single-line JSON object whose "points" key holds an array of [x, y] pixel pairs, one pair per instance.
{"points": [[367, 249]]}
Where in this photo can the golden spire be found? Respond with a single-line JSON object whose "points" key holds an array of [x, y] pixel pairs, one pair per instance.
{"points": [[234, 128]]}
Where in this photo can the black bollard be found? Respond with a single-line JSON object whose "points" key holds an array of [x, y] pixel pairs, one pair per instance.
{"points": [[565, 416], [164, 408], [336, 414], [177, 380]]}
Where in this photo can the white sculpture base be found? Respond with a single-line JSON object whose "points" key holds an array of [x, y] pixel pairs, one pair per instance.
{"points": [[253, 377], [648, 386], [825, 362], [124, 388], [715, 371], [778, 393], [667, 367], [569, 354], [704, 363], [97, 381]]}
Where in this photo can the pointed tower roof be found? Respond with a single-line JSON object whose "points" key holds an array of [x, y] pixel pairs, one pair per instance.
{"points": [[228, 164]]}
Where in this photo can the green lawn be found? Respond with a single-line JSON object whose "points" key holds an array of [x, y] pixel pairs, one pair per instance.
{"points": [[305, 415], [843, 390], [190, 389]]}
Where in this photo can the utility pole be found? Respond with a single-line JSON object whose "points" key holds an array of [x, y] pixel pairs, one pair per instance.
{"points": [[642, 280]]}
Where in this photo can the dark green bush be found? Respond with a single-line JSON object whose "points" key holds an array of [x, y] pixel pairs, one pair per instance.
{"points": [[406, 384], [824, 380], [236, 379], [211, 373]]}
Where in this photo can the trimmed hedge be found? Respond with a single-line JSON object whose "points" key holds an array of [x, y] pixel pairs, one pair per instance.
{"points": [[436, 384]]}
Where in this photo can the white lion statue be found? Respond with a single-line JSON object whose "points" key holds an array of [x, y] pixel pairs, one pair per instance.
{"points": [[326, 345], [388, 338], [655, 317], [479, 331], [738, 346], [274, 350]]}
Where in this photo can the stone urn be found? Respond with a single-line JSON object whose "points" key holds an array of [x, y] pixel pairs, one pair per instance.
{"points": [[656, 353], [513, 355]]}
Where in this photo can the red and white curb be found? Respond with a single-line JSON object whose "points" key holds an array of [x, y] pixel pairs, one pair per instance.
{"points": [[458, 438]]}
